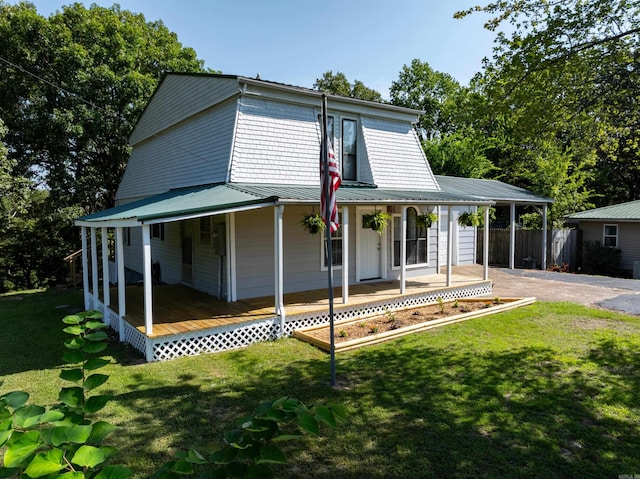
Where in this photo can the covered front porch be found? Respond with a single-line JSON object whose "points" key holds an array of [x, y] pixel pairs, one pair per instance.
{"points": [[189, 322]]}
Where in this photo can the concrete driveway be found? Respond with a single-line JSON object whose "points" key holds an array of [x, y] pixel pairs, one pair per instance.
{"points": [[600, 291]]}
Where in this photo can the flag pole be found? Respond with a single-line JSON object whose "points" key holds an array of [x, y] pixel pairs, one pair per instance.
{"points": [[324, 151]]}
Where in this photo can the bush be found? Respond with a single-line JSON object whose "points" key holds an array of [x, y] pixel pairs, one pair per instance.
{"points": [[598, 259]]}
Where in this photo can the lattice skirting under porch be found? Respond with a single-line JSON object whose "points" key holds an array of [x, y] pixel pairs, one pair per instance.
{"points": [[239, 335]]}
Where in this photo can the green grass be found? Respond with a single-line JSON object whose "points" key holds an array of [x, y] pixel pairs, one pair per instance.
{"points": [[549, 390]]}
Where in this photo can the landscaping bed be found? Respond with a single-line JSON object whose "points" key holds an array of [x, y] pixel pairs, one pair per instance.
{"points": [[360, 332]]}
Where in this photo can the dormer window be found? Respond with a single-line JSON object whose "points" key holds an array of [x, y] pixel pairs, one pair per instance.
{"points": [[349, 149]]}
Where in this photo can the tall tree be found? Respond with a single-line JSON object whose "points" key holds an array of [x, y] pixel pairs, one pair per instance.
{"points": [[338, 84], [569, 72]]}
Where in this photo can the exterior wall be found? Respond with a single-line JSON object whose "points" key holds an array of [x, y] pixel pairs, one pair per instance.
{"points": [[464, 239], [178, 98], [628, 239], [390, 144], [194, 152]]}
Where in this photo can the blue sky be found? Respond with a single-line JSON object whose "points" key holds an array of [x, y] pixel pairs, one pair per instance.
{"points": [[296, 41]]}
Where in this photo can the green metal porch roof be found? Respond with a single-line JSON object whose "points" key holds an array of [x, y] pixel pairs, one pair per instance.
{"points": [[629, 211], [489, 190], [210, 199]]}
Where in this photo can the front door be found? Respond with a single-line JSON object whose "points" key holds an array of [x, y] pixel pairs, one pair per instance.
{"points": [[369, 249], [187, 252]]}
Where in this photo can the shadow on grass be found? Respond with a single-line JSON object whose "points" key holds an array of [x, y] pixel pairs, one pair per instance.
{"points": [[31, 326], [419, 412]]}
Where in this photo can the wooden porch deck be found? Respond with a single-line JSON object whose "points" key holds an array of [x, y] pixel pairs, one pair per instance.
{"points": [[179, 309]]}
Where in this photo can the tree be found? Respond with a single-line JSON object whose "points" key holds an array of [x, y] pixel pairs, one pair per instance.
{"points": [[339, 85], [569, 73], [422, 88], [71, 89]]}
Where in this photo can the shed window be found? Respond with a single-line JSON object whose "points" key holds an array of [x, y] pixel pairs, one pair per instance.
{"points": [[611, 236]]}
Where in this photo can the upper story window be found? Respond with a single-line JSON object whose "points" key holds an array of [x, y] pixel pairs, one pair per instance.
{"points": [[416, 239], [611, 236], [349, 150]]}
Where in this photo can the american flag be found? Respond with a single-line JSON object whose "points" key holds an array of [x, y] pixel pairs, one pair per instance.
{"points": [[334, 184]]}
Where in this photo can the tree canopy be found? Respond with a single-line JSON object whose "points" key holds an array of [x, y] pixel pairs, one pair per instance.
{"points": [[337, 84]]}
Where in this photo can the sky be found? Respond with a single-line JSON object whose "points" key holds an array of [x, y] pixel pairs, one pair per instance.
{"points": [[296, 41]]}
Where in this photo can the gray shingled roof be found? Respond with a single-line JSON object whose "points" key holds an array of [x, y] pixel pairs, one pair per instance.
{"points": [[624, 212]]}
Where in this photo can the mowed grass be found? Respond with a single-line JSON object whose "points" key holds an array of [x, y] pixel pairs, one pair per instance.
{"points": [[551, 390]]}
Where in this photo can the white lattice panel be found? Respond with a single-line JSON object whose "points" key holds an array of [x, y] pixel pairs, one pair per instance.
{"points": [[135, 338], [215, 340]]}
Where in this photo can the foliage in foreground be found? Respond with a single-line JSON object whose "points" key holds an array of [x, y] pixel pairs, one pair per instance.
{"points": [[64, 442]]}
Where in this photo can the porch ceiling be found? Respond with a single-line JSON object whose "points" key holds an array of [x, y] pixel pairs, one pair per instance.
{"points": [[205, 200]]}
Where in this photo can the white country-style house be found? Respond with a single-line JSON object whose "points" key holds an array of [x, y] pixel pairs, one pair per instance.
{"points": [[208, 218]]}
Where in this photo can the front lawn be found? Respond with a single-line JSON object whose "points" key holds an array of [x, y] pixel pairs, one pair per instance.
{"points": [[549, 390]]}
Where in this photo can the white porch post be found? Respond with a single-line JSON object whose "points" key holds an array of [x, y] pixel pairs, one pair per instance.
{"points": [[345, 255], [279, 265], [438, 231], [403, 251], [105, 270], [122, 302], [148, 291], [544, 237], [231, 257], [485, 245], [449, 243], [512, 236], [94, 265], [85, 267]]}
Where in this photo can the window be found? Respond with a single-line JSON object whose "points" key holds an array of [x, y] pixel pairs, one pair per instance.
{"points": [[157, 231], [416, 239], [336, 247], [349, 150], [205, 230], [611, 236], [127, 236]]}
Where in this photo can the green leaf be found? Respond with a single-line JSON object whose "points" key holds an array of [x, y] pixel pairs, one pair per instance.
{"points": [[20, 447], [182, 467], [45, 463], [71, 475], [271, 454], [100, 431], [70, 434], [90, 456], [276, 414], [94, 381], [72, 319], [195, 457], [114, 472], [15, 399], [97, 336], [51, 416], [74, 330], [286, 437], [74, 343], [5, 435], [28, 416], [339, 411], [94, 347], [93, 314], [72, 397], [225, 456], [73, 375], [214, 473], [308, 423], [95, 403], [95, 363], [73, 356], [95, 325], [324, 414]]}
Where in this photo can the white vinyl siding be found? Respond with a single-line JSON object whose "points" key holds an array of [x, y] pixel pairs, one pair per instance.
{"points": [[464, 239], [178, 98], [276, 143], [395, 156], [192, 153]]}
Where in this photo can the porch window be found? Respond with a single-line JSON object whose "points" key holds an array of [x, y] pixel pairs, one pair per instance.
{"points": [[157, 231], [336, 247], [611, 236], [205, 230], [416, 239], [349, 150]]}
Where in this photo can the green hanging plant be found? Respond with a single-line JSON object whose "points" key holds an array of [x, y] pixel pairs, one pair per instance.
{"points": [[475, 219], [313, 223], [377, 221], [427, 219]]}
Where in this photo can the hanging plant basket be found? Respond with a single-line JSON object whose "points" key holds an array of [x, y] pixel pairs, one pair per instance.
{"points": [[377, 221], [313, 223], [426, 220]]}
